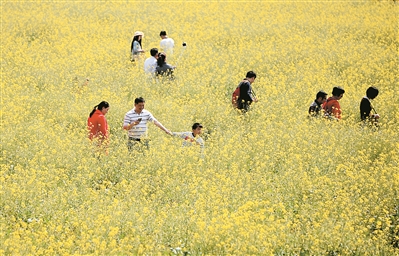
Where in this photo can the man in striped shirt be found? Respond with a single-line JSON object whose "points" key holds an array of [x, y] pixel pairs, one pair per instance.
{"points": [[135, 122]]}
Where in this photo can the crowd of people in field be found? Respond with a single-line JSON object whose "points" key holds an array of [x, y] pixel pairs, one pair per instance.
{"points": [[155, 66]]}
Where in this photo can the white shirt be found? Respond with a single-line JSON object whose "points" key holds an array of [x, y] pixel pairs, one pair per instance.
{"points": [[189, 139], [167, 45], [140, 130], [149, 65]]}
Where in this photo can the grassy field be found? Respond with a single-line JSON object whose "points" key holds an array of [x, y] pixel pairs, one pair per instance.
{"points": [[271, 182]]}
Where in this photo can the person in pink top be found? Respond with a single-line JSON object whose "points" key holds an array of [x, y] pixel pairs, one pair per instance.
{"points": [[97, 124]]}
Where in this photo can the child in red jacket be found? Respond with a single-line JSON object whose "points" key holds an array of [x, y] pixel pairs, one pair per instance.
{"points": [[331, 107]]}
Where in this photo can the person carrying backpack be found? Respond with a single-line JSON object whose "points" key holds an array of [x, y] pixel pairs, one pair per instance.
{"points": [[243, 95]]}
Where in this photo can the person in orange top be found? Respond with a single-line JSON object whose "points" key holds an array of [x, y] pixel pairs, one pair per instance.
{"points": [[331, 107], [97, 124]]}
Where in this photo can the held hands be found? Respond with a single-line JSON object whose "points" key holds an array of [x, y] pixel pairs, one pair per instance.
{"points": [[376, 116]]}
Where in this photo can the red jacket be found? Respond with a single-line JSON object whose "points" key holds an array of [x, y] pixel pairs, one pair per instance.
{"points": [[97, 126], [332, 107]]}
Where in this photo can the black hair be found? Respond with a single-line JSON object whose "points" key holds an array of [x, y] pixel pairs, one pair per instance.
{"points": [[196, 125], [338, 91], [163, 33], [372, 92], [154, 51], [161, 59], [103, 104], [251, 74], [321, 94], [139, 100], [136, 38]]}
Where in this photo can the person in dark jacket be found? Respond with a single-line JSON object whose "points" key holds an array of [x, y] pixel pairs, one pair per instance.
{"points": [[246, 93], [163, 69], [316, 106], [366, 107]]}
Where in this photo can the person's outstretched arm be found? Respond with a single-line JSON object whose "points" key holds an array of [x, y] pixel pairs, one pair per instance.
{"points": [[162, 127]]}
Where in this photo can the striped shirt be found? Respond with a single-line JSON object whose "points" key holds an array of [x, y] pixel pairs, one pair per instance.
{"points": [[140, 130]]}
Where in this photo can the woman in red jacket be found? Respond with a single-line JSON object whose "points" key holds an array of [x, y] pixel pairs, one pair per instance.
{"points": [[97, 124]]}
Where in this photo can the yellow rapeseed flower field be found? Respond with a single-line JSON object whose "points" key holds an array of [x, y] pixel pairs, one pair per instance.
{"points": [[269, 182]]}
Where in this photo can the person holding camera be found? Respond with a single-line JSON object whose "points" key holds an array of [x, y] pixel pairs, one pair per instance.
{"points": [[135, 122]]}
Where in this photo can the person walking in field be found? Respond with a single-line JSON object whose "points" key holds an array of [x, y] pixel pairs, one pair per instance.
{"points": [[136, 46], [97, 124], [332, 108], [135, 122], [366, 107], [316, 106], [150, 64], [167, 44], [246, 95], [193, 137]]}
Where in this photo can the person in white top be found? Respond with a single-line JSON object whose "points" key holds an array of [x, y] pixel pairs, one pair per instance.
{"points": [[150, 63], [193, 137], [167, 44], [135, 122]]}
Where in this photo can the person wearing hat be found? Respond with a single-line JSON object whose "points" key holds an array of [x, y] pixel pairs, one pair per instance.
{"points": [[193, 137], [136, 46], [315, 107], [331, 107]]}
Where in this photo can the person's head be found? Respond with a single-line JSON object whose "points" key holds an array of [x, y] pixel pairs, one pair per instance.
{"points": [[154, 52], [197, 129], [161, 59], [163, 34], [103, 107], [372, 92], [251, 76], [338, 92], [138, 35], [139, 104], [321, 97]]}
